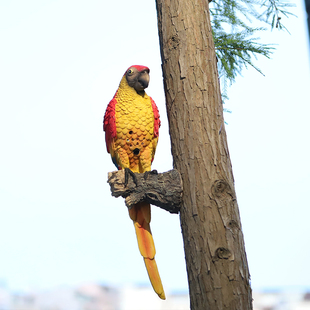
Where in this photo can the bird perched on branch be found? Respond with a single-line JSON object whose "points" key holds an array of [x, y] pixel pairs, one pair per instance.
{"points": [[131, 123]]}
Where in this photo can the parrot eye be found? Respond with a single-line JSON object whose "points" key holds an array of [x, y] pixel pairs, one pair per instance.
{"points": [[130, 71]]}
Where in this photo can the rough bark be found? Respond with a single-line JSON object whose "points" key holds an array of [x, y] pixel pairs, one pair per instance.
{"points": [[160, 189], [216, 261]]}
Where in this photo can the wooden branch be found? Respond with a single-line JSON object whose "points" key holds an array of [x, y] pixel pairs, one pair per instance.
{"points": [[160, 189]]}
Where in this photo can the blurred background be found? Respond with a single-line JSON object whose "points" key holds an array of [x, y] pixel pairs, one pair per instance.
{"points": [[61, 232]]}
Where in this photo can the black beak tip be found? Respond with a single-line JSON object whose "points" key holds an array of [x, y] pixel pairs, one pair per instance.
{"points": [[144, 83]]}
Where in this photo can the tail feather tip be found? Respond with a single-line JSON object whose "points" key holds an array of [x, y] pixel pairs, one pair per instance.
{"points": [[162, 295]]}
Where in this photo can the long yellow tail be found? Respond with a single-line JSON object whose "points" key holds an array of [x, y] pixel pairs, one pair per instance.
{"points": [[141, 216]]}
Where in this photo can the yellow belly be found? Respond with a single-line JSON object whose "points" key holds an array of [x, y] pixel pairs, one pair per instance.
{"points": [[134, 132]]}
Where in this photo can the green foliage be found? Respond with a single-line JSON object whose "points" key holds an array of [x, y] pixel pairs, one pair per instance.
{"points": [[273, 9], [235, 40]]}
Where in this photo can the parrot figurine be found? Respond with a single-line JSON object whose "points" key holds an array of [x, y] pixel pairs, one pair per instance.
{"points": [[131, 124]]}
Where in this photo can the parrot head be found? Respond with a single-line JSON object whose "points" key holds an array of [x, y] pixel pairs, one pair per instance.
{"points": [[138, 78]]}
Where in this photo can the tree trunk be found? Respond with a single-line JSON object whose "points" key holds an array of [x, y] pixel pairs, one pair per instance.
{"points": [[217, 268]]}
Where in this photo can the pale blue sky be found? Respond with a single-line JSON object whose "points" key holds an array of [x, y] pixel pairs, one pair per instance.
{"points": [[60, 65]]}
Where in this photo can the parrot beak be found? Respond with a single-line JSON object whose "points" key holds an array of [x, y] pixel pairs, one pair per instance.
{"points": [[143, 81]]}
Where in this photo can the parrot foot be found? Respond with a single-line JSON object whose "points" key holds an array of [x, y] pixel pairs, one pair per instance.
{"points": [[147, 173], [132, 174]]}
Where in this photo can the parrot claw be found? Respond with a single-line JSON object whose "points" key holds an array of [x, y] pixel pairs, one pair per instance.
{"points": [[127, 173], [147, 173]]}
